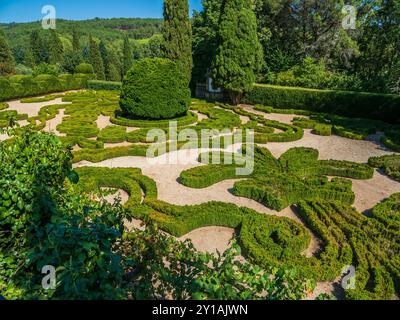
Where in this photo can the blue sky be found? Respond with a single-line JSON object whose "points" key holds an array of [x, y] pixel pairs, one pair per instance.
{"points": [[30, 10]]}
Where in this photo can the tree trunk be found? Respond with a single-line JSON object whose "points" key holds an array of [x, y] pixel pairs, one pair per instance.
{"points": [[235, 97]]}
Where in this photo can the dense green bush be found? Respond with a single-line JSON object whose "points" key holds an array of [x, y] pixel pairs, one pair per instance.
{"points": [[383, 107], [84, 68], [45, 68], [312, 74], [104, 85], [155, 89], [323, 129], [390, 164], [3, 105], [24, 86]]}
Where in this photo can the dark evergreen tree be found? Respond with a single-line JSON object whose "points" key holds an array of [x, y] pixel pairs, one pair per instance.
{"points": [[205, 29], [38, 48], [177, 33], [239, 52], [7, 63], [56, 49], [114, 66], [75, 41], [127, 58], [29, 60], [105, 58], [95, 59]]}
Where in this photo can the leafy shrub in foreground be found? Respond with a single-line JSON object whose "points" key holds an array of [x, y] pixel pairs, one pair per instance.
{"points": [[155, 89]]}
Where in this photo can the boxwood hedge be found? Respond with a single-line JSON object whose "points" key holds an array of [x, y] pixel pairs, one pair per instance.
{"points": [[154, 88], [383, 107], [25, 86]]}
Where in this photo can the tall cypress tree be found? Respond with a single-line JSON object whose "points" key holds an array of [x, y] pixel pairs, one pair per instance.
{"points": [[29, 60], [95, 59], [105, 58], [127, 59], [114, 66], [75, 41], [56, 49], [7, 63], [239, 52], [39, 49], [177, 33]]}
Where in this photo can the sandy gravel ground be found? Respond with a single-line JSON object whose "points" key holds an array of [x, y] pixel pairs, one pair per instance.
{"points": [[332, 147], [370, 192], [284, 118], [210, 239], [103, 122], [32, 109], [120, 194], [51, 125]]}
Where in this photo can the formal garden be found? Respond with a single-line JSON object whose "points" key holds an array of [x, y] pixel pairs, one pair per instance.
{"points": [[79, 191]]}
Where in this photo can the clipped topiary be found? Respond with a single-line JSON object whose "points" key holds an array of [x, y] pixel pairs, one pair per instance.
{"points": [[154, 88], [85, 68]]}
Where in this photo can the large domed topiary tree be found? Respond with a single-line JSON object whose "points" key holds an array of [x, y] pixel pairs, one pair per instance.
{"points": [[155, 88]]}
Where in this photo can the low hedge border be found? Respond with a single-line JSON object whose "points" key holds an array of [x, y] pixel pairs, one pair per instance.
{"points": [[385, 107], [104, 85], [28, 86], [188, 119]]}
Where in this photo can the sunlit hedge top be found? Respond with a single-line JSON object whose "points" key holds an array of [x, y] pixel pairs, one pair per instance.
{"points": [[154, 89]]}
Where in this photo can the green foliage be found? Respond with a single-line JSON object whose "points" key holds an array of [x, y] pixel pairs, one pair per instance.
{"points": [[8, 117], [25, 86], [188, 119], [76, 47], [127, 57], [95, 59], [23, 70], [84, 68], [297, 175], [42, 99], [112, 134], [388, 212], [323, 129], [370, 244], [56, 48], [38, 49], [7, 63], [390, 164], [313, 74], [70, 61], [154, 89], [104, 85], [177, 34], [3, 105], [239, 52], [47, 222], [346, 103], [205, 26], [44, 68]]}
